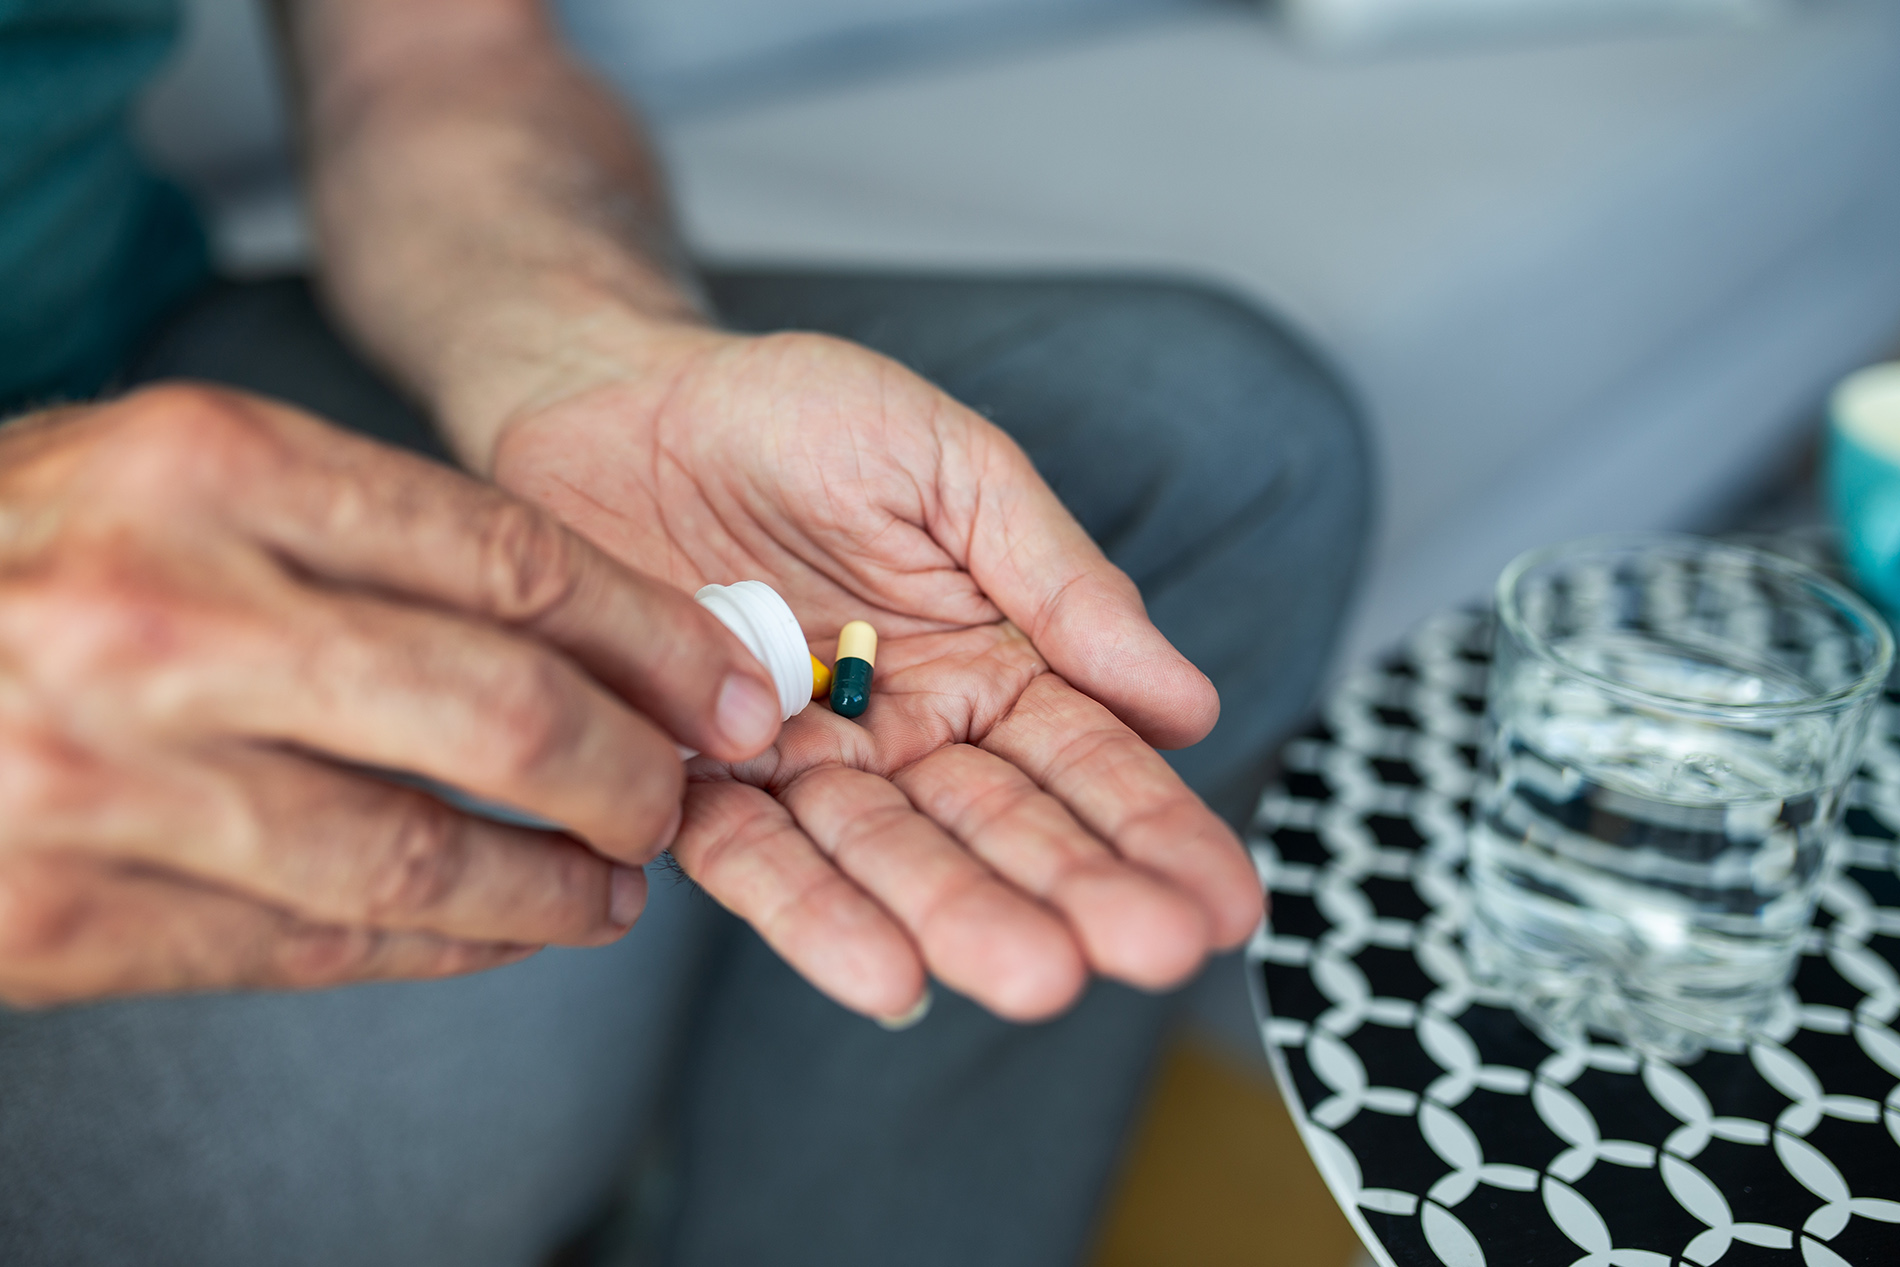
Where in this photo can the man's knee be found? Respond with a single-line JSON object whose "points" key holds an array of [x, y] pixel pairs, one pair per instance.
{"points": [[1244, 509], [1251, 380], [1267, 408], [1193, 418]]}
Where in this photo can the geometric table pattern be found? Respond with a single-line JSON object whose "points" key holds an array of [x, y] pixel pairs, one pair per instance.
{"points": [[1449, 1131]]}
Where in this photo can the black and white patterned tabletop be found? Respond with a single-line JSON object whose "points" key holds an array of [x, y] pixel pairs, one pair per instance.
{"points": [[1449, 1131]]}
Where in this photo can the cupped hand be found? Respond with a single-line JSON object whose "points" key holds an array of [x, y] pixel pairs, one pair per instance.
{"points": [[216, 612], [998, 817]]}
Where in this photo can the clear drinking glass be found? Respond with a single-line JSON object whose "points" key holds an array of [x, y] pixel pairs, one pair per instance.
{"points": [[1672, 723]]}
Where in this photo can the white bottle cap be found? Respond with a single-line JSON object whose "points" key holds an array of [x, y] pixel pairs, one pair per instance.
{"points": [[762, 620], [758, 617]]}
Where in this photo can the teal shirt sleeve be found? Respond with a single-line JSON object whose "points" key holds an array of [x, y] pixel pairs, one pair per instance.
{"points": [[93, 247]]}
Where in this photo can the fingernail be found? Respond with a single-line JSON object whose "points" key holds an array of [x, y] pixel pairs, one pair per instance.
{"points": [[627, 896], [913, 1017], [747, 713]]}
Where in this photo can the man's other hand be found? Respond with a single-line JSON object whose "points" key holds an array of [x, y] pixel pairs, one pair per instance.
{"points": [[216, 612]]}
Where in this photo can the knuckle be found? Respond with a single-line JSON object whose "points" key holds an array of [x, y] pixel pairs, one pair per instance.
{"points": [[184, 435], [531, 721], [43, 782], [110, 614], [421, 864], [111, 618], [528, 562]]}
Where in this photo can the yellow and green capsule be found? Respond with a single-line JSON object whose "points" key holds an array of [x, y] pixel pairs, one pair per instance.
{"points": [[851, 675]]}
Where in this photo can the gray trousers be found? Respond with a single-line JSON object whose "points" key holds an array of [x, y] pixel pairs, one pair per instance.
{"points": [[495, 1119]]}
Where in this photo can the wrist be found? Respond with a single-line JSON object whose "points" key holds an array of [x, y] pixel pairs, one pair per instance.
{"points": [[491, 228], [532, 346]]}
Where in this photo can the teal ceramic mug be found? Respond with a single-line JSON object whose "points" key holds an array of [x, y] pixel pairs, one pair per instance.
{"points": [[1863, 479]]}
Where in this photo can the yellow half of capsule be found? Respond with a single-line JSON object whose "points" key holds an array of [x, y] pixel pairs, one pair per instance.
{"points": [[858, 640], [820, 679]]}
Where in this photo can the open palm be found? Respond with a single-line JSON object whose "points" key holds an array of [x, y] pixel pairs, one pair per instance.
{"points": [[997, 818]]}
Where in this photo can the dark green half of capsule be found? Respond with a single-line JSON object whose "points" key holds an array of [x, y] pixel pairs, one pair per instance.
{"points": [[850, 686]]}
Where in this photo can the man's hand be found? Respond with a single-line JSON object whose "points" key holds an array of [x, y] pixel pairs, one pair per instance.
{"points": [[215, 611], [495, 232], [997, 817]]}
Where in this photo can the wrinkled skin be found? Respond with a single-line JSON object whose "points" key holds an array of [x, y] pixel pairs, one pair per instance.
{"points": [[997, 818], [214, 611]]}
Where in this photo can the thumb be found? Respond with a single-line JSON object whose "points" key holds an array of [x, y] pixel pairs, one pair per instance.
{"points": [[1083, 614]]}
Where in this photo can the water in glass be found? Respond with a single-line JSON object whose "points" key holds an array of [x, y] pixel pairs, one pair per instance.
{"points": [[1658, 812]]}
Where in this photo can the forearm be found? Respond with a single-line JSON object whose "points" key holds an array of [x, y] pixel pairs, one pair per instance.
{"points": [[492, 224]]}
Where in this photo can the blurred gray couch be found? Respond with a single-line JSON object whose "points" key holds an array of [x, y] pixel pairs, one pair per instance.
{"points": [[1581, 284]]}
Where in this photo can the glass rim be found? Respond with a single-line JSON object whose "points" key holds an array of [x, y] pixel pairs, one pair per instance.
{"points": [[1869, 682]]}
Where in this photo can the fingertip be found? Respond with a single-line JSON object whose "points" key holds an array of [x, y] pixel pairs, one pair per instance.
{"points": [[670, 832], [1136, 927], [858, 957], [1179, 706], [1198, 856], [1229, 890], [909, 1019], [1012, 955], [886, 990], [1044, 999], [1041, 985], [1241, 910], [655, 794]]}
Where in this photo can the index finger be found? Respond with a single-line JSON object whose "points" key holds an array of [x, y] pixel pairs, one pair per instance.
{"points": [[750, 854], [357, 512]]}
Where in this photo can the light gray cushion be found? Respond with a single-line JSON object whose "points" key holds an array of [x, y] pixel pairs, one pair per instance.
{"points": [[685, 55], [1580, 286]]}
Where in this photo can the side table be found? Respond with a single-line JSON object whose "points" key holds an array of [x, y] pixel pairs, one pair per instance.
{"points": [[1451, 1134]]}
